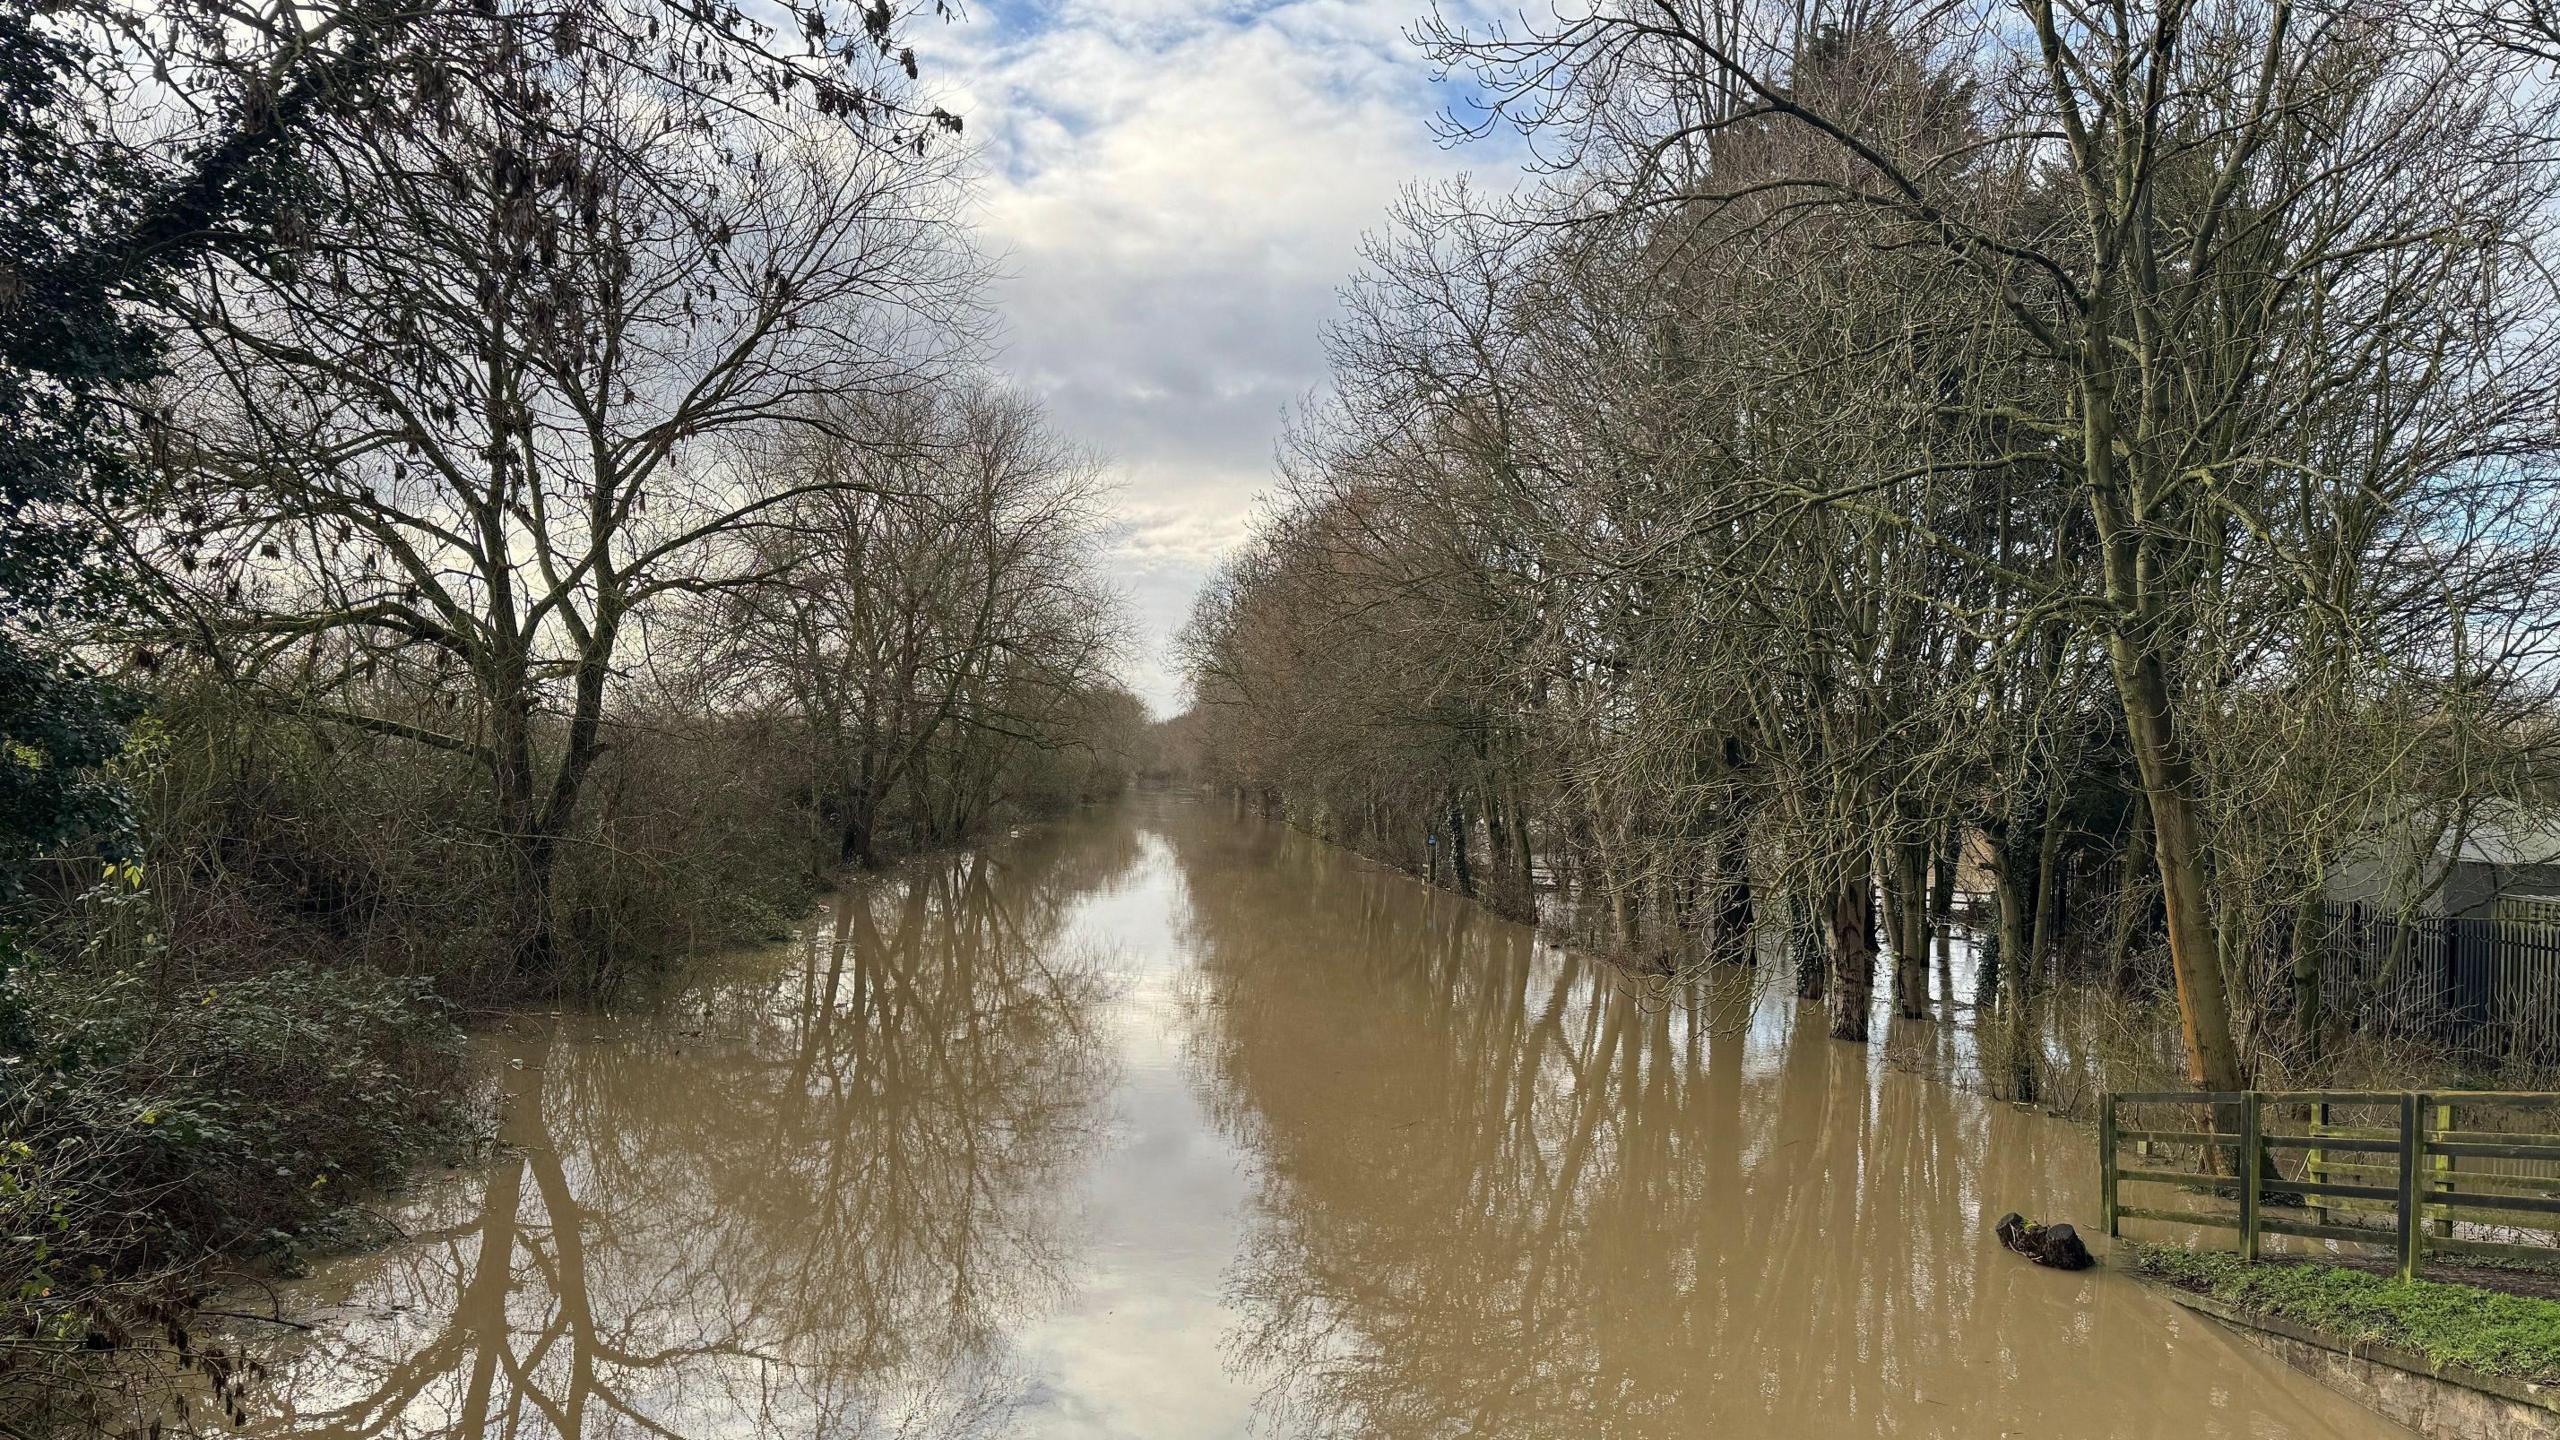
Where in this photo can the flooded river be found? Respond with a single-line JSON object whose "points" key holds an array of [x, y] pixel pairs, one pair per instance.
{"points": [[1160, 1123]]}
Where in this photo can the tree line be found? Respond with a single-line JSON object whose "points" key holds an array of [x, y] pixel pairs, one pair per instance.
{"points": [[2099, 456], [498, 497]]}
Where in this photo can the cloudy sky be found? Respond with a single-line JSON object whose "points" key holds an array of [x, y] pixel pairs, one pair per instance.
{"points": [[1176, 189]]}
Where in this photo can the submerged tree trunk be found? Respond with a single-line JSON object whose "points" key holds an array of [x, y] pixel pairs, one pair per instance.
{"points": [[1944, 862], [1525, 856], [1948, 854], [1806, 949], [1853, 952], [1907, 913], [2017, 853], [1459, 869], [1497, 840]]}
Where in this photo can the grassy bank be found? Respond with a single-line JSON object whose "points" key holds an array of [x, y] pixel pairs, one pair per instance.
{"points": [[2514, 1336]]}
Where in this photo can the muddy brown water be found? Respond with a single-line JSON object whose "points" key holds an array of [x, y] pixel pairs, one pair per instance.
{"points": [[1161, 1123]]}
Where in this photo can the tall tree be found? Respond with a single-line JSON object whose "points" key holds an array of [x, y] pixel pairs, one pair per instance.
{"points": [[2227, 247], [142, 140], [499, 397]]}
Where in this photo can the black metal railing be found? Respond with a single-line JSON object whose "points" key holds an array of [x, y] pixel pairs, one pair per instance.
{"points": [[2490, 984]]}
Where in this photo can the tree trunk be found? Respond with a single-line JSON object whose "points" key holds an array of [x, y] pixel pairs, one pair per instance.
{"points": [[2134, 640], [1497, 841], [2047, 931], [532, 948], [2132, 917], [1853, 952], [859, 844], [1806, 948], [2017, 856], [1908, 911], [1734, 920], [1459, 869], [1945, 862], [1949, 853], [1526, 857], [535, 949], [2204, 1012], [2308, 934]]}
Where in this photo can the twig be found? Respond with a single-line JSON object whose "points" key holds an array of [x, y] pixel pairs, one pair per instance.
{"points": [[263, 1319]]}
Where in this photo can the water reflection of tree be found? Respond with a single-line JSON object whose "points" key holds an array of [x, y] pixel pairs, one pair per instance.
{"points": [[802, 1202], [1502, 1197]]}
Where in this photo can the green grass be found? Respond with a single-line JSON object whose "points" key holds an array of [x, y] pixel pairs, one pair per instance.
{"points": [[2481, 1330]]}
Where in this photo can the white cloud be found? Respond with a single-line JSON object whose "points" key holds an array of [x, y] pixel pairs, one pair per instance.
{"points": [[1178, 188]]}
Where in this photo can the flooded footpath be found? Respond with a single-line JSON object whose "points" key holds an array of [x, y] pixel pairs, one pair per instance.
{"points": [[1161, 1123]]}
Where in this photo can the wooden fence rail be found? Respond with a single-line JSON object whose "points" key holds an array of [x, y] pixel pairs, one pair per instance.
{"points": [[2432, 1168]]}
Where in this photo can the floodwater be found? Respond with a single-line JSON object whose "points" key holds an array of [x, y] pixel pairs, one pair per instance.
{"points": [[1161, 1123]]}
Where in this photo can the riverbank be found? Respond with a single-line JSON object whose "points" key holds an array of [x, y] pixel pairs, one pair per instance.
{"points": [[2465, 1327], [182, 1120], [153, 1147], [2457, 1361]]}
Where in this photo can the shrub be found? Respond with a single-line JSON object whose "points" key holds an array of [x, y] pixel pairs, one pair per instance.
{"points": [[152, 1126], [271, 836]]}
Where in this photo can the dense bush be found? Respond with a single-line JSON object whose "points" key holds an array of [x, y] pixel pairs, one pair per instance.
{"points": [[269, 836], [156, 1124], [701, 838]]}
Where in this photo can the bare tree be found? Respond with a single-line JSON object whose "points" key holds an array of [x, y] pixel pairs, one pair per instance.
{"points": [[483, 414], [933, 611], [2275, 265]]}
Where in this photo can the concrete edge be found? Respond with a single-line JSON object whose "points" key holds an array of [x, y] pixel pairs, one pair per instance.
{"points": [[2521, 1392]]}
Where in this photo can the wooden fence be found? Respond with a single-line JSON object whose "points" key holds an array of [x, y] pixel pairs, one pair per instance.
{"points": [[2420, 1173]]}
